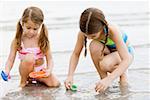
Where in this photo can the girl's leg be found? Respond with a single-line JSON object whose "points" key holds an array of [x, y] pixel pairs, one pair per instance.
{"points": [[50, 81], [95, 51], [110, 63], [26, 66], [107, 63]]}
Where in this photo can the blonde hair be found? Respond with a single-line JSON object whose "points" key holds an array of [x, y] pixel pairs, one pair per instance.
{"points": [[36, 16]]}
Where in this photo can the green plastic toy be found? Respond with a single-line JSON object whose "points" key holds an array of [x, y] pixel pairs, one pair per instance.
{"points": [[74, 87]]}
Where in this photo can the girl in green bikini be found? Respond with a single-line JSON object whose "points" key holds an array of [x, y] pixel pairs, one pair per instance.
{"points": [[110, 49]]}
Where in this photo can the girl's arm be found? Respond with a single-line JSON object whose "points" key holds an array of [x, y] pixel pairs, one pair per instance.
{"points": [[11, 57], [49, 61], [74, 60], [123, 52], [76, 54]]}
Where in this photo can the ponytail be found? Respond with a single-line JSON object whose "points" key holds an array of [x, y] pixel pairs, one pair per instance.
{"points": [[18, 36], [43, 39]]}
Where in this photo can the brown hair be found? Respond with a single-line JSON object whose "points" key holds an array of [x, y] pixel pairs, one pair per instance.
{"points": [[91, 21], [35, 15]]}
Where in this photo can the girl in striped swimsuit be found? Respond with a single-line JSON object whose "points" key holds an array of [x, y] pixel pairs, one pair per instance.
{"points": [[32, 44]]}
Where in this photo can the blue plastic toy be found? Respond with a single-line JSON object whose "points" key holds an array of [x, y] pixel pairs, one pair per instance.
{"points": [[4, 76]]}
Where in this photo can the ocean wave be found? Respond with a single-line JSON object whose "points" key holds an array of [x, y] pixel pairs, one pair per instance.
{"points": [[122, 19]]}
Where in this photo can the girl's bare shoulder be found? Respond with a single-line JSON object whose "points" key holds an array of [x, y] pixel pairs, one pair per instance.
{"points": [[80, 34], [113, 29]]}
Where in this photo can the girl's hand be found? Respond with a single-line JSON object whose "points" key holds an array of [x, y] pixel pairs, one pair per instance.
{"points": [[5, 76], [102, 85], [68, 82]]}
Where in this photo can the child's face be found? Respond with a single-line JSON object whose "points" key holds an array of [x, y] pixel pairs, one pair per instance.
{"points": [[94, 35], [30, 29]]}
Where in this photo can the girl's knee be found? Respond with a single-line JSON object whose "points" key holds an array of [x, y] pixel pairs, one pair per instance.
{"points": [[55, 81], [52, 81], [56, 84], [104, 66], [53, 84], [94, 47]]}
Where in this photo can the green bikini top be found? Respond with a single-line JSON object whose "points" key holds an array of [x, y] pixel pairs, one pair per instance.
{"points": [[110, 43]]}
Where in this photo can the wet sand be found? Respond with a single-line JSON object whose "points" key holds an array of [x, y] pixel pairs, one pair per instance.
{"points": [[138, 89]]}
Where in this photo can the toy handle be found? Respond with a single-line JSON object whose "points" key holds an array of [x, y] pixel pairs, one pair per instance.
{"points": [[5, 76]]}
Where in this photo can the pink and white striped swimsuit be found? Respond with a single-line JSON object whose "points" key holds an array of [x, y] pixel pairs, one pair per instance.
{"points": [[35, 51]]}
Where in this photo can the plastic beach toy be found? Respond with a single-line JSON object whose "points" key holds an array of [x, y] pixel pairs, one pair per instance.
{"points": [[40, 74], [4, 76], [74, 87]]}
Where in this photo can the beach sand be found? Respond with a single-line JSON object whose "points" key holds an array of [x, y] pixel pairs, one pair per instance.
{"points": [[138, 89]]}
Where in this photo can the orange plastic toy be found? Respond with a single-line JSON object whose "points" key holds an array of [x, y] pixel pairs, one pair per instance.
{"points": [[40, 74]]}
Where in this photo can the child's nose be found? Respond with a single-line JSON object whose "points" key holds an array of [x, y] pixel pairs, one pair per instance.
{"points": [[31, 31]]}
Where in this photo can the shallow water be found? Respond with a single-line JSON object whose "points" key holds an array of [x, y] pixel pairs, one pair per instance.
{"points": [[138, 89], [86, 83]]}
